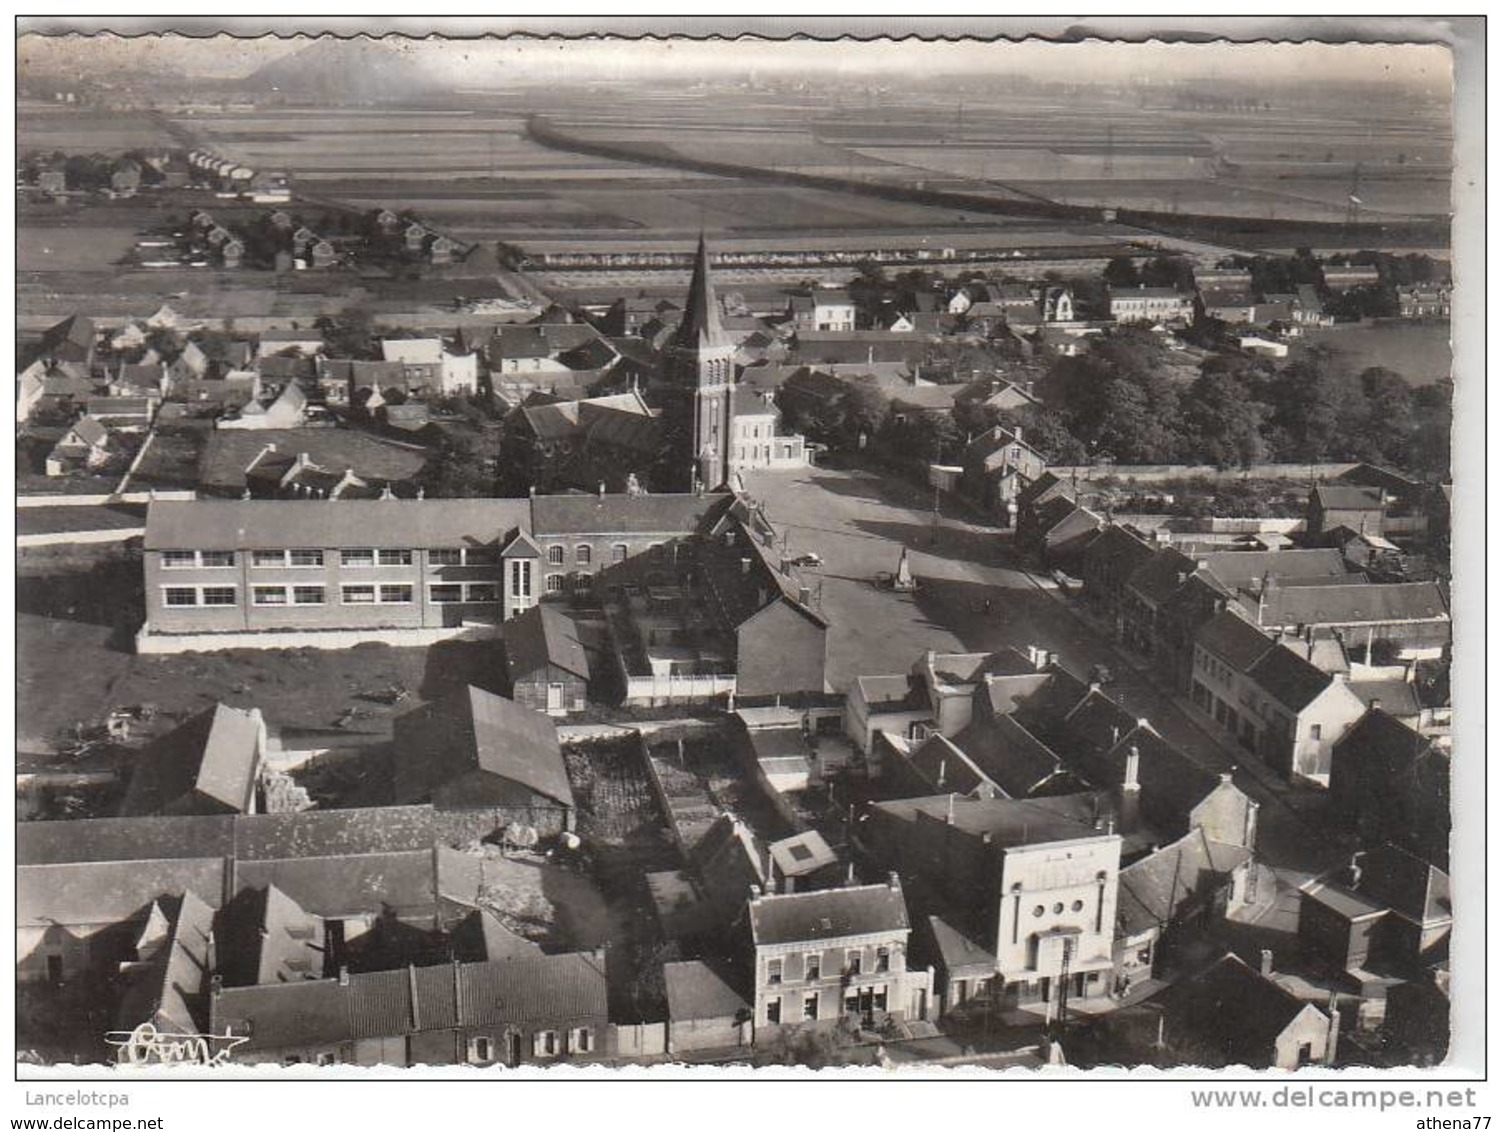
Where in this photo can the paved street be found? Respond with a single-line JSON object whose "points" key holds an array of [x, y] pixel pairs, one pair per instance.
{"points": [[858, 522]]}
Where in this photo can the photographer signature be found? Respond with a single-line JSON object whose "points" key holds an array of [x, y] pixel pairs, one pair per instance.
{"points": [[146, 1045]]}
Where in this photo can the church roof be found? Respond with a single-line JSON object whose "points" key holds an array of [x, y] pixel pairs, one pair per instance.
{"points": [[700, 326]]}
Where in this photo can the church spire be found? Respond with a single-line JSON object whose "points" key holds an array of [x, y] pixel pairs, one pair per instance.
{"points": [[700, 326]]}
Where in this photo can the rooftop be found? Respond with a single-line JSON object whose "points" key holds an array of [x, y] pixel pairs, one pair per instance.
{"points": [[828, 914], [213, 524]]}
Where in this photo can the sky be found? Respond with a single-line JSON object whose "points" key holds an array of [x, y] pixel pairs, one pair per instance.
{"points": [[479, 63]]}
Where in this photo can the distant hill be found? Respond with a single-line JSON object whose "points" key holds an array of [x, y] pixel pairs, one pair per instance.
{"points": [[340, 72]]}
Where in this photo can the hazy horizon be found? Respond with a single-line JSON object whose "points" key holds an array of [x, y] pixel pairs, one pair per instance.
{"points": [[499, 63]]}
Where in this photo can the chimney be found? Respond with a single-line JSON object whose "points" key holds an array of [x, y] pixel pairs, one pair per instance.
{"points": [[745, 565], [771, 868], [602, 489], [1373, 704], [894, 882], [804, 595], [1111, 824], [943, 766], [1354, 869], [756, 892], [1133, 765], [1225, 777], [216, 984], [344, 976], [1267, 962]]}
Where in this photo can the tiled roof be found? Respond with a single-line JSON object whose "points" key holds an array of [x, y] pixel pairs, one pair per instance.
{"points": [[1288, 678], [1171, 783], [215, 754], [1162, 574], [1233, 639], [542, 636], [1359, 604], [1009, 754], [695, 990], [478, 730], [828, 914], [1153, 890], [944, 766], [109, 892], [1008, 821], [524, 991], [171, 992], [682, 514], [216, 524], [1241, 569], [1229, 989], [399, 883], [961, 956], [892, 693]]}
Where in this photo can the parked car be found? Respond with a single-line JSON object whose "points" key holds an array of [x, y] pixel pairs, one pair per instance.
{"points": [[807, 558]]}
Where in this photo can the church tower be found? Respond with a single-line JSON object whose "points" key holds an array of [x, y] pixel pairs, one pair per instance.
{"points": [[700, 360]]}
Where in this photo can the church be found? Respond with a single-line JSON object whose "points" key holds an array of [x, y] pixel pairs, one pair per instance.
{"points": [[713, 432]]}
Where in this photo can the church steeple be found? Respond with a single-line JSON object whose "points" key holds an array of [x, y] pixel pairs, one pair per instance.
{"points": [[699, 364], [700, 326]]}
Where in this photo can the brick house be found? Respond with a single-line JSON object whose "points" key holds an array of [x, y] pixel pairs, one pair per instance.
{"points": [[819, 956], [998, 467], [546, 661], [522, 1010], [1388, 782], [1269, 699]]}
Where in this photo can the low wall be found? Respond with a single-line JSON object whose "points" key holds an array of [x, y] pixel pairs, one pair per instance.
{"points": [[1148, 473], [654, 691], [166, 644], [644, 1039], [100, 500], [68, 538]]}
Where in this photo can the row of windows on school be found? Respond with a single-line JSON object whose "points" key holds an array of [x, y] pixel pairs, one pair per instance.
{"points": [[557, 555]]}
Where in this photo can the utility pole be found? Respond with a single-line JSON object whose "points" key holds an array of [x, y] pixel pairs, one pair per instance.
{"points": [[1354, 202]]}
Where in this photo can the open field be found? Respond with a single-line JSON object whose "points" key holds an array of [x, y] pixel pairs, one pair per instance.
{"points": [[48, 126], [71, 249], [1420, 351]]}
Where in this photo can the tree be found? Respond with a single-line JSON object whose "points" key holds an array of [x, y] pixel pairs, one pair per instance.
{"points": [[861, 408], [1222, 423], [1120, 271], [350, 334]]}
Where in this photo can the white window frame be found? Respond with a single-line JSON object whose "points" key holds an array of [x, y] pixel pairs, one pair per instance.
{"points": [[294, 564], [581, 1039], [584, 554], [204, 564], [323, 595], [344, 598], [434, 599], [347, 558], [553, 584], [481, 1049], [189, 563], [203, 597], [168, 603], [457, 552], [257, 556], [557, 555], [394, 557], [257, 592], [545, 1043]]}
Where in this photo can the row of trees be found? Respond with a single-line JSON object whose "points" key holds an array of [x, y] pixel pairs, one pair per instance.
{"points": [[1118, 402]]}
